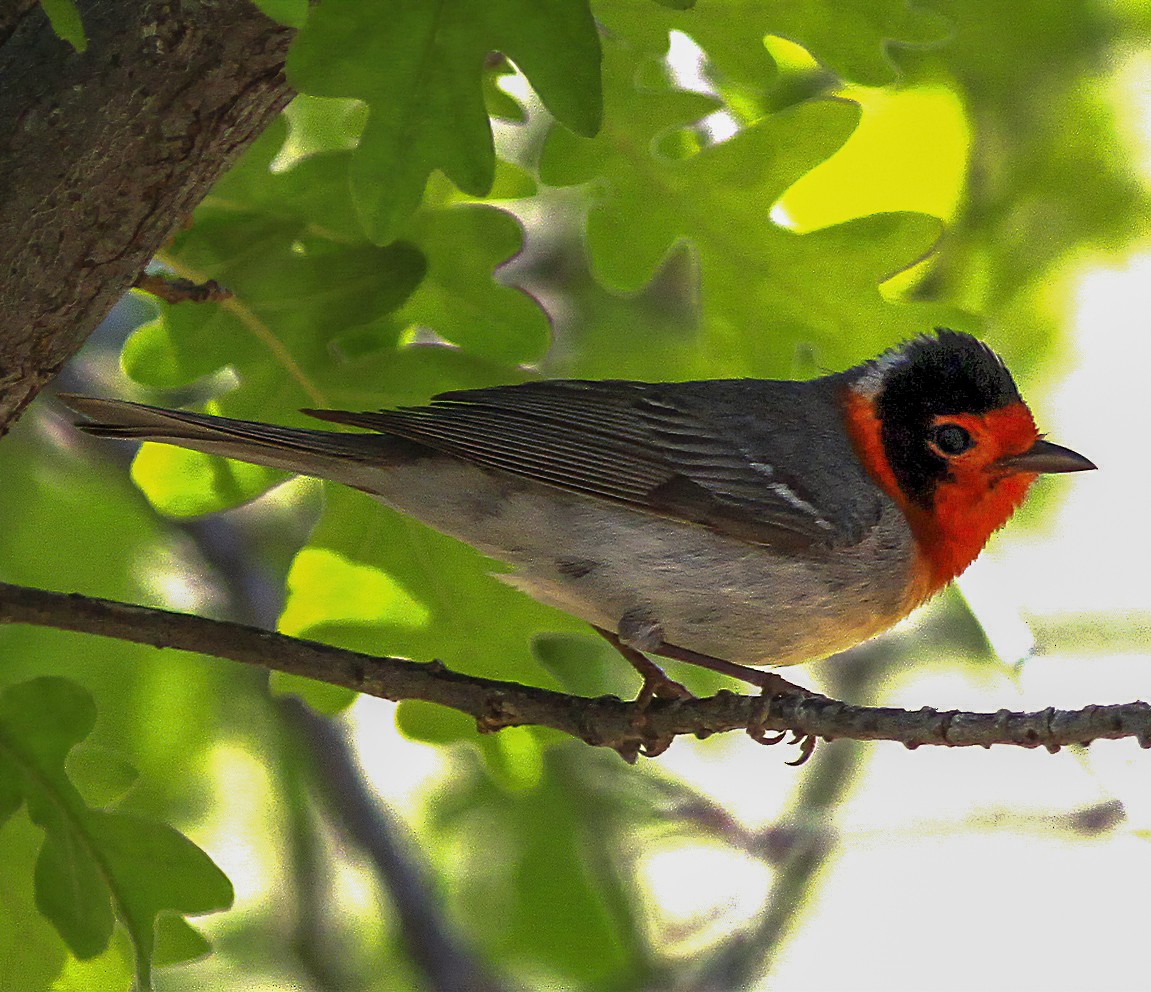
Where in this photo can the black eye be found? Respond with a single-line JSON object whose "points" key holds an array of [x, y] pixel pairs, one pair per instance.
{"points": [[950, 439]]}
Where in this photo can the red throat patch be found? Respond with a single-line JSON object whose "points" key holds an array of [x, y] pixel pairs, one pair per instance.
{"points": [[973, 501]]}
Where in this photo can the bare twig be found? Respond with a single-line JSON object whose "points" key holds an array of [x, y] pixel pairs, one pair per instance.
{"points": [[605, 721], [174, 290]]}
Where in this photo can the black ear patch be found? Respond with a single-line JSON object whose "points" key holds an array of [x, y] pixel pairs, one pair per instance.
{"points": [[947, 373]]}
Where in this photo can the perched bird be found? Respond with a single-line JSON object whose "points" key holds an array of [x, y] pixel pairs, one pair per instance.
{"points": [[729, 523]]}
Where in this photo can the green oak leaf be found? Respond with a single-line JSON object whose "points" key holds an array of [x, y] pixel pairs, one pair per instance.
{"points": [[291, 13], [730, 32], [31, 952], [498, 102], [319, 124], [462, 302], [319, 312], [820, 288], [420, 66], [288, 247], [96, 866], [178, 941], [102, 774], [851, 38], [585, 665]]}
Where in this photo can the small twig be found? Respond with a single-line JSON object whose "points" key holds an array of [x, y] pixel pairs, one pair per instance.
{"points": [[604, 722], [174, 290]]}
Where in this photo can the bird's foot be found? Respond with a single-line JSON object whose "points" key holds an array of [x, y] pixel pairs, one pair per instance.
{"points": [[775, 686], [657, 684]]}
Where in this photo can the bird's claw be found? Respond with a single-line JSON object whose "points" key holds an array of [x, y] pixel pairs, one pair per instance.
{"points": [[761, 736], [806, 744], [649, 747], [759, 733], [656, 685], [654, 747]]}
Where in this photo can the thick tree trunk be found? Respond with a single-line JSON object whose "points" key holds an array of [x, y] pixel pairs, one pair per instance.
{"points": [[103, 154]]}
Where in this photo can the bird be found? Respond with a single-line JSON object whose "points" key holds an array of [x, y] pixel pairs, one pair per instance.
{"points": [[737, 524]]}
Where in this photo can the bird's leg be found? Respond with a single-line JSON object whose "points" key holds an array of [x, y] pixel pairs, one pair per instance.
{"points": [[656, 681], [636, 627], [767, 682]]}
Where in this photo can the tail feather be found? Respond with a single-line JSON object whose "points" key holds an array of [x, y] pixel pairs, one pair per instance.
{"points": [[327, 454]]}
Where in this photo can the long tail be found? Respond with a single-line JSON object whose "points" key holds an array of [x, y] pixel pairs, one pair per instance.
{"points": [[326, 454]]}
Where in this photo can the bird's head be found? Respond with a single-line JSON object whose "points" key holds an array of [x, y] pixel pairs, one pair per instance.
{"points": [[941, 426]]}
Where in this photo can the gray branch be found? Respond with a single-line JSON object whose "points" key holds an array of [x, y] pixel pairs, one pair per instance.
{"points": [[604, 722]]}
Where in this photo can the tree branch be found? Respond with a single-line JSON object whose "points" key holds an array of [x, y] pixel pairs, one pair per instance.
{"points": [[103, 154], [321, 776], [173, 290], [604, 722]]}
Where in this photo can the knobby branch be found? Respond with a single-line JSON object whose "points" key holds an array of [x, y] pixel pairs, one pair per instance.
{"points": [[603, 722]]}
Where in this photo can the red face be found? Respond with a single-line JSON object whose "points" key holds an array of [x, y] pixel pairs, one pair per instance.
{"points": [[975, 497], [957, 476], [980, 491], [994, 437]]}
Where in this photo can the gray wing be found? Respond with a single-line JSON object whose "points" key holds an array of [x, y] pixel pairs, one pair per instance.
{"points": [[659, 447]]}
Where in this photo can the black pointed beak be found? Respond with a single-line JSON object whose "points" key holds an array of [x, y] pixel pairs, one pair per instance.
{"points": [[1043, 456]]}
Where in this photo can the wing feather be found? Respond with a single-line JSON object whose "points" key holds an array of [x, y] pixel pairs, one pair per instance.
{"points": [[653, 446]]}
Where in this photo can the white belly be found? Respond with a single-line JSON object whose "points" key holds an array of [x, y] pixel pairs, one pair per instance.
{"points": [[708, 592]]}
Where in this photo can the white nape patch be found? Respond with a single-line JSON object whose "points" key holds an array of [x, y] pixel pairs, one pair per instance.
{"points": [[877, 370]]}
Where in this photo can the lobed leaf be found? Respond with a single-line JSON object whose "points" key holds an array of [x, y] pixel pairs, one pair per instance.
{"points": [[420, 66], [291, 13], [854, 38], [96, 866], [319, 313], [820, 288]]}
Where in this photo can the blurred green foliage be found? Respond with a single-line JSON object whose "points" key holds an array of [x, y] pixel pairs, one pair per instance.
{"points": [[94, 862], [363, 238]]}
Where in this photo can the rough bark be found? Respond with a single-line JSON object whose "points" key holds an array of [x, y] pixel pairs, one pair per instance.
{"points": [[103, 154]]}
